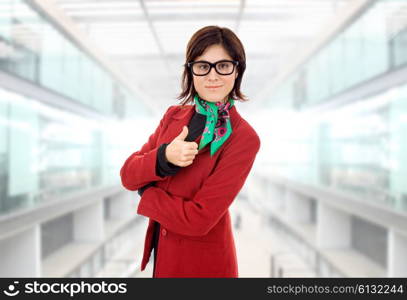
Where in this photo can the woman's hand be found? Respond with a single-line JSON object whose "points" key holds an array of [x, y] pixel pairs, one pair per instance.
{"points": [[180, 152]]}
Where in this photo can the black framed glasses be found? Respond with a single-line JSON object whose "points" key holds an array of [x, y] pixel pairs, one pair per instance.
{"points": [[203, 67]]}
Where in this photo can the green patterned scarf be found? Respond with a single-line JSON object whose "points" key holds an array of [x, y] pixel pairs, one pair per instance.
{"points": [[217, 127]]}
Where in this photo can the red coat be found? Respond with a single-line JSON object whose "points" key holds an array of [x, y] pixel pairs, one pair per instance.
{"points": [[196, 237]]}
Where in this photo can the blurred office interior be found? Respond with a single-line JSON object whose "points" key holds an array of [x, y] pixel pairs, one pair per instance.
{"points": [[83, 83]]}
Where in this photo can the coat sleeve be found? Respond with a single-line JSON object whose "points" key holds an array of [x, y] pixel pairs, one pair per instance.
{"points": [[197, 216], [140, 167]]}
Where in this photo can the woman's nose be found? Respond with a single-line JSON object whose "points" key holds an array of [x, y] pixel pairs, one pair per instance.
{"points": [[212, 74]]}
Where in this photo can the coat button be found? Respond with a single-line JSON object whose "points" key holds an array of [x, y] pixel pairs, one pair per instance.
{"points": [[164, 232]]}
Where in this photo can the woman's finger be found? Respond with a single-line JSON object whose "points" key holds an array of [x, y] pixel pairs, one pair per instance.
{"points": [[189, 152]]}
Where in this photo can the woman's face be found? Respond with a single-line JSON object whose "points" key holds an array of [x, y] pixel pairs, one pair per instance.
{"points": [[224, 83]]}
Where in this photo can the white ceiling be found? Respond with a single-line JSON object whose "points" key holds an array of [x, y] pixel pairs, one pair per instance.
{"points": [[147, 38]]}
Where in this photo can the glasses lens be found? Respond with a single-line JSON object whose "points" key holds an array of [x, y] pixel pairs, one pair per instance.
{"points": [[224, 67], [200, 68]]}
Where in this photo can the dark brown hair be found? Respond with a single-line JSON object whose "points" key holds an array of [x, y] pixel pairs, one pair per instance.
{"points": [[202, 39]]}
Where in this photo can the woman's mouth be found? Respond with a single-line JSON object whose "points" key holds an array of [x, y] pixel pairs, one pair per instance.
{"points": [[213, 87]]}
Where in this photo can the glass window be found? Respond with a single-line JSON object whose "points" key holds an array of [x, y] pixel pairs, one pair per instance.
{"points": [[23, 149], [5, 19], [51, 70], [35, 49]]}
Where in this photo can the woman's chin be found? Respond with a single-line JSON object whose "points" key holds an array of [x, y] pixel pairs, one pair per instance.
{"points": [[212, 98]]}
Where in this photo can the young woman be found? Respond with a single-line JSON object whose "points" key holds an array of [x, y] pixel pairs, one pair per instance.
{"points": [[195, 163]]}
